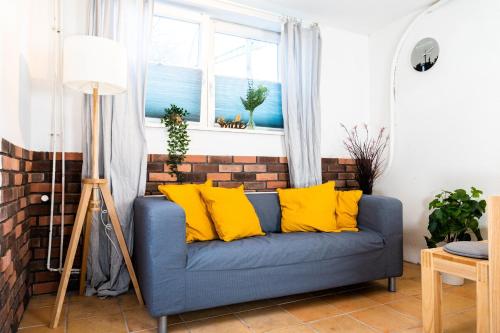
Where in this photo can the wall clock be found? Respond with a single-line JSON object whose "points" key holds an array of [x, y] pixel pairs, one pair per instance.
{"points": [[425, 54]]}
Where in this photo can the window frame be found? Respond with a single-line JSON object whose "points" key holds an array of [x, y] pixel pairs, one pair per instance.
{"points": [[209, 26]]}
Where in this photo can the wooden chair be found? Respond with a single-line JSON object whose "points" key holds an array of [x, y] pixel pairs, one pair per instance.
{"points": [[486, 273]]}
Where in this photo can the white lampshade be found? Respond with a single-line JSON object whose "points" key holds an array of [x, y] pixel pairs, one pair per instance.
{"points": [[91, 62]]}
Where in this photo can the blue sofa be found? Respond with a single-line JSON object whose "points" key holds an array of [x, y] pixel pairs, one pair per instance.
{"points": [[176, 277]]}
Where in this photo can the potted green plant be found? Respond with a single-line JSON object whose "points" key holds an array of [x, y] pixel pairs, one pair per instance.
{"points": [[455, 217], [178, 140], [254, 98]]}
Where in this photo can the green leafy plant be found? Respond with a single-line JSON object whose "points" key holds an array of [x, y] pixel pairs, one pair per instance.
{"points": [[178, 140], [454, 216], [254, 98]]}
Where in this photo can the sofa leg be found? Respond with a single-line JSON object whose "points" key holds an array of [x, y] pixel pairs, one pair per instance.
{"points": [[391, 284], [162, 324]]}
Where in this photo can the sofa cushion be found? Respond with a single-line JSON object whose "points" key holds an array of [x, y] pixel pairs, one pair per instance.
{"points": [[277, 249]]}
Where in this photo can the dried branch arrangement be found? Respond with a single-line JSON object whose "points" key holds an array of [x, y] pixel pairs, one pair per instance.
{"points": [[368, 152]]}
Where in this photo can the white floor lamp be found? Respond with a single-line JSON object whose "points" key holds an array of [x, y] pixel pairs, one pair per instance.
{"points": [[97, 66]]}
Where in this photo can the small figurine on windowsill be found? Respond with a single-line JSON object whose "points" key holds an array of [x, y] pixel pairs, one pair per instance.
{"points": [[236, 123]]}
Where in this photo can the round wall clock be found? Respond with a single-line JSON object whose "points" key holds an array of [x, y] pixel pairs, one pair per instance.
{"points": [[425, 54]]}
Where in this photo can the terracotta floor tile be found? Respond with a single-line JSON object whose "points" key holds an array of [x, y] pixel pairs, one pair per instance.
{"points": [[223, 324], [177, 328], [468, 290], [454, 303], [267, 319], [464, 322], [381, 295], [410, 305], [207, 313], [128, 301], [311, 309], [42, 329], [294, 329], [350, 301], [83, 306], [341, 324], [43, 301], [139, 319], [385, 319], [112, 323], [39, 316]]}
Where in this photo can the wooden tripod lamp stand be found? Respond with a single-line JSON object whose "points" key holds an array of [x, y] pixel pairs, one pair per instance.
{"points": [[96, 66]]}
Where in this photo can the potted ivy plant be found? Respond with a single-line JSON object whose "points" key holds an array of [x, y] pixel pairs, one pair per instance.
{"points": [[455, 217], [178, 140], [254, 98]]}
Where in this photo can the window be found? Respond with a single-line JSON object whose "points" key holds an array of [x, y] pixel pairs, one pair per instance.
{"points": [[174, 71], [204, 65], [237, 59]]}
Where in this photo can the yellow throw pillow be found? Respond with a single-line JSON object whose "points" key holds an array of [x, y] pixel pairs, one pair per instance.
{"points": [[347, 209], [232, 213], [308, 209], [199, 226]]}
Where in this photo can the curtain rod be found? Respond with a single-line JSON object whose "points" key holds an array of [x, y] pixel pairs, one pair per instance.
{"points": [[241, 9]]}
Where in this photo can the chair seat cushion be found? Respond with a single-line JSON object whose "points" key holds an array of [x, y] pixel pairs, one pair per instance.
{"points": [[276, 249], [478, 250]]}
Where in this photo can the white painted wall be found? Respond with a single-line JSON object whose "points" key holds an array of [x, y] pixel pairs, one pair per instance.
{"points": [[14, 71], [447, 133], [344, 94]]}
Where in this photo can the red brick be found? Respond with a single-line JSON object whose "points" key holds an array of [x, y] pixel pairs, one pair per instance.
{"points": [[267, 176], [6, 261], [9, 163], [205, 168], [255, 168], [347, 176], [245, 159], [162, 177], [277, 168], [196, 159], [220, 159], [7, 226], [267, 159], [19, 230], [283, 160], [230, 168], [44, 187], [277, 184], [255, 185], [283, 176], [219, 176], [184, 167], [45, 287], [28, 166], [348, 161], [230, 184]]}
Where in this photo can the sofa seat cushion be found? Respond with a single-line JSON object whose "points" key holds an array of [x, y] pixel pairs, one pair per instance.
{"points": [[278, 249]]}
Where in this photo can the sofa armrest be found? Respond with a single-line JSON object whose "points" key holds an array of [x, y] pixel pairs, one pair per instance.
{"points": [[381, 214], [160, 234]]}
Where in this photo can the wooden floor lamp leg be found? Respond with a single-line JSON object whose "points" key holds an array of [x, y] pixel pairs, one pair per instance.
{"points": [[86, 242], [431, 295], [70, 256], [110, 205], [482, 298]]}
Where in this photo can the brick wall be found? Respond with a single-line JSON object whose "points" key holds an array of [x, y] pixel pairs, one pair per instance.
{"points": [[15, 165], [256, 173], [24, 219]]}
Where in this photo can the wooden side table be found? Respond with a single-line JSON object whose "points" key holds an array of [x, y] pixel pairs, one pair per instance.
{"points": [[437, 261]]}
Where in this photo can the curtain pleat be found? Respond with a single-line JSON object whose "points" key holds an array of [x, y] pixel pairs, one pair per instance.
{"points": [[123, 151], [300, 77]]}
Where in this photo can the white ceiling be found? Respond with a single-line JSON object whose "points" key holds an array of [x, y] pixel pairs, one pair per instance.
{"points": [[361, 16]]}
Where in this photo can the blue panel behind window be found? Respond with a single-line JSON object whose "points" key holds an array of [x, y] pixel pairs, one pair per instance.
{"points": [[173, 85], [228, 91]]}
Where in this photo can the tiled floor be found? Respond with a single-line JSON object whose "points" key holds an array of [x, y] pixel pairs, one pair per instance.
{"points": [[358, 309]]}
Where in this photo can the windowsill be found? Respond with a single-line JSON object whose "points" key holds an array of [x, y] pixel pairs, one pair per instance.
{"points": [[195, 127]]}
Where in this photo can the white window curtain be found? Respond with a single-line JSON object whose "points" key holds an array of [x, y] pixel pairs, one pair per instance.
{"points": [[300, 76], [123, 142]]}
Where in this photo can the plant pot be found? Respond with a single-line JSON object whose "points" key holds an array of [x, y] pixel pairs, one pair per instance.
{"points": [[452, 280]]}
